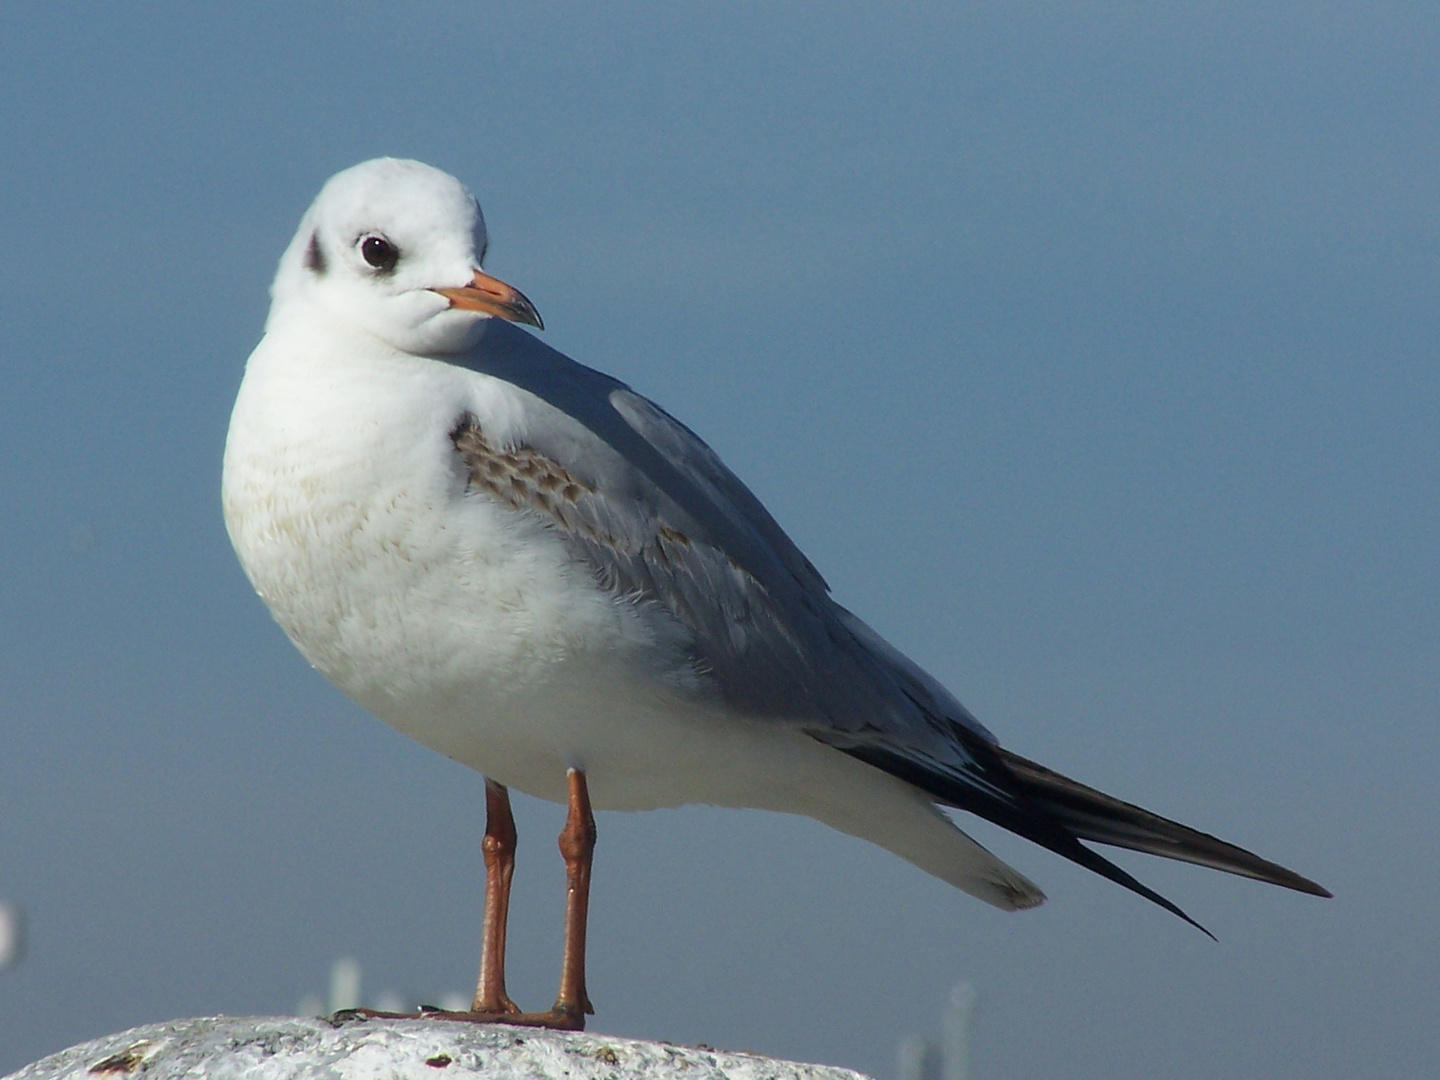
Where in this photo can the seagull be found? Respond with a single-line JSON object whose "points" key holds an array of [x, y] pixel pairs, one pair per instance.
{"points": [[522, 563]]}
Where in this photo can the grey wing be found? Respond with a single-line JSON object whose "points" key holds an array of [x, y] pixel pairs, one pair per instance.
{"points": [[843, 629], [645, 549], [657, 516]]}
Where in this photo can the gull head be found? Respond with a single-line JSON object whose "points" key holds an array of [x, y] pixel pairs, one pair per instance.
{"points": [[394, 248]]}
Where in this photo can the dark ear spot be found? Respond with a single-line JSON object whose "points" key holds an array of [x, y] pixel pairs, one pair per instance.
{"points": [[314, 257]]}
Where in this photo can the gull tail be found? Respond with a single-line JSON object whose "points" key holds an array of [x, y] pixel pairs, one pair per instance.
{"points": [[1093, 815], [1057, 813]]}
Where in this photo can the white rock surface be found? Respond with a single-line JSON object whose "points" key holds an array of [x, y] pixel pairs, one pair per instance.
{"points": [[271, 1048]]}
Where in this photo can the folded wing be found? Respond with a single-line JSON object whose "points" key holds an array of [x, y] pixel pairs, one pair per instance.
{"points": [[660, 520]]}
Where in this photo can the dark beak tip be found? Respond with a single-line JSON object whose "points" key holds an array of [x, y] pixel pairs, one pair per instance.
{"points": [[525, 311]]}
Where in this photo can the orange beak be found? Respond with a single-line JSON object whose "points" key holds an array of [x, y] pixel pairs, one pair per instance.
{"points": [[493, 297]]}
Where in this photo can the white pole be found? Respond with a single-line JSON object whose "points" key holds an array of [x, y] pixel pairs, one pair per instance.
{"points": [[955, 1033], [12, 936], [345, 984], [916, 1060]]}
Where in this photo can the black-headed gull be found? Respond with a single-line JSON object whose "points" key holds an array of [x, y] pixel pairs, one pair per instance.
{"points": [[522, 563]]}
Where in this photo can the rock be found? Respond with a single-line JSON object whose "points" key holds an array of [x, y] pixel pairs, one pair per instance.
{"points": [[271, 1048]]}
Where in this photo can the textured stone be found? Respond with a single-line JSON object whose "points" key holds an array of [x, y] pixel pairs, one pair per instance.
{"points": [[269, 1048]]}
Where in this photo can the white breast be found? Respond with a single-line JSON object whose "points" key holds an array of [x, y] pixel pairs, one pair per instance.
{"points": [[460, 622]]}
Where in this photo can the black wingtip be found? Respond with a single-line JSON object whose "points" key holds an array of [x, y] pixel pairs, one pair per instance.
{"points": [[1022, 818], [1092, 815], [1077, 852]]}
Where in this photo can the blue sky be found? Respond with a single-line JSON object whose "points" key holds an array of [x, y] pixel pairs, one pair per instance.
{"points": [[1089, 351]]}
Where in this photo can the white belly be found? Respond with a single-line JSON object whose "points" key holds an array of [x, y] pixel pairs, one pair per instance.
{"points": [[462, 623]]}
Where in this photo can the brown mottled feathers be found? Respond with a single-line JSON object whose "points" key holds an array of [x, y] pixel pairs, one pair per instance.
{"points": [[521, 478], [525, 479]]}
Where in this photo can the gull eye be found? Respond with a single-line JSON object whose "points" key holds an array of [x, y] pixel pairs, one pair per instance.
{"points": [[379, 253]]}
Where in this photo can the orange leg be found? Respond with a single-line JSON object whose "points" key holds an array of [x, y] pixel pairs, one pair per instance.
{"points": [[499, 848], [577, 847]]}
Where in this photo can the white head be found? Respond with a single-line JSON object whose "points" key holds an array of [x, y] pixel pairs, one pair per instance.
{"points": [[394, 248]]}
